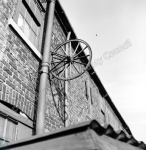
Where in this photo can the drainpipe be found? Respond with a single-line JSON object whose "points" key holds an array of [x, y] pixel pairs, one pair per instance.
{"points": [[41, 107]]}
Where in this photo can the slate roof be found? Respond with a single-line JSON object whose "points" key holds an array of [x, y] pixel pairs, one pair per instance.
{"points": [[118, 135]]}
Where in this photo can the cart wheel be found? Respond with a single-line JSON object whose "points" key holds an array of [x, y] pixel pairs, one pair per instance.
{"points": [[70, 59]]}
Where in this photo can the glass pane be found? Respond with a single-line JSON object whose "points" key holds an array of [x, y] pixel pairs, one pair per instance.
{"points": [[10, 131], [34, 26], [33, 38], [21, 22], [32, 5], [38, 31], [26, 29], [22, 10], [2, 125], [38, 14], [39, 37], [28, 19], [37, 43]]}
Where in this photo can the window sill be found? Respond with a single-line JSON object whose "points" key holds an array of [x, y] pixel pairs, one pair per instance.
{"points": [[13, 115], [23, 36]]}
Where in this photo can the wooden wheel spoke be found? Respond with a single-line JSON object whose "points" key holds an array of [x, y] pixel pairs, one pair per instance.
{"points": [[66, 68], [76, 68], [81, 57], [63, 50], [76, 48], [80, 52], [61, 71], [58, 64], [70, 50], [70, 69], [59, 55], [57, 58], [54, 62], [80, 63], [68, 65]]}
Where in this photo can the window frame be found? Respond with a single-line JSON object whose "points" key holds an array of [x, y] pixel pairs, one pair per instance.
{"points": [[18, 8], [36, 19], [7, 119]]}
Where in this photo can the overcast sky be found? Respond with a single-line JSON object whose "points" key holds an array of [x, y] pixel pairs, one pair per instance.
{"points": [[106, 25]]}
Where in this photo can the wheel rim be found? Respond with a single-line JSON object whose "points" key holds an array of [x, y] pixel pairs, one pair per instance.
{"points": [[70, 59]]}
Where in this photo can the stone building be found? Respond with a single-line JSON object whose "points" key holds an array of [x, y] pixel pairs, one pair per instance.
{"points": [[22, 33]]}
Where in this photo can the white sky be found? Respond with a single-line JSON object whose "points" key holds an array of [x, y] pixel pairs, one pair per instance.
{"points": [[105, 25]]}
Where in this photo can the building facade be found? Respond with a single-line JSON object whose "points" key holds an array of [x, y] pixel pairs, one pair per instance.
{"points": [[22, 33]]}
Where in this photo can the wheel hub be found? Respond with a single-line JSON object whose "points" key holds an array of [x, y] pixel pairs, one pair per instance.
{"points": [[63, 58], [70, 59]]}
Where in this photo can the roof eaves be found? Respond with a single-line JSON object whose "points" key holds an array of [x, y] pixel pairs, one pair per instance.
{"points": [[107, 131]]}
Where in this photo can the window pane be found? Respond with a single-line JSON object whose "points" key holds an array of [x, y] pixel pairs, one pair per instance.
{"points": [[20, 22], [33, 38], [37, 43], [27, 1], [26, 29], [2, 125], [34, 26], [23, 10], [33, 6], [38, 14], [39, 37], [28, 19], [10, 131]]}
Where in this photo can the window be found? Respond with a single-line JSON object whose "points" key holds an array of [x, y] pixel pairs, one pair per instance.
{"points": [[8, 130], [102, 112], [91, 96], [86, 90], [30, 20]]}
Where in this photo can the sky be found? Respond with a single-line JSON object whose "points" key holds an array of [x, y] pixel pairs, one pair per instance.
{"points": [[116, 32]]}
